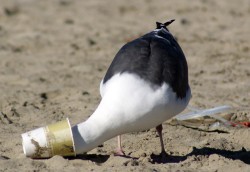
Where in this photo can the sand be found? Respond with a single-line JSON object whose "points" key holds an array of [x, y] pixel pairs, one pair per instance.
{"points": [[53, 55]]}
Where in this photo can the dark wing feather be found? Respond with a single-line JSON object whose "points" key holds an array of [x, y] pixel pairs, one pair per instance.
{"points": [[155, 57]]}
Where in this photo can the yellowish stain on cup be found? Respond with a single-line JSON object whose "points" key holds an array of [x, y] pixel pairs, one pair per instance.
{"points": [[60, 139]]}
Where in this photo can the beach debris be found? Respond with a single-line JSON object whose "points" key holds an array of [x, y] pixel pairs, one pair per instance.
{"points": [[197, 118], [45, 142]]}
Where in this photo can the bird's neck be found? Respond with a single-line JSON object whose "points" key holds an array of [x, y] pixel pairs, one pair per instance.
{"points": [[92, 133]]}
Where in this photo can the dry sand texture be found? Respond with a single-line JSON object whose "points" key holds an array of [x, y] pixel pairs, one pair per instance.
{"points": [[53, 55]]}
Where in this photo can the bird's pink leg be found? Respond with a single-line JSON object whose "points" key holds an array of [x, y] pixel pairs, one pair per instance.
{"points": [[119, 151], [163, 152]]}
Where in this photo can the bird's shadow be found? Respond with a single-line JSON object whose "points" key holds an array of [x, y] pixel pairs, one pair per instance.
{"points": [[98, 159], [242, 155]]}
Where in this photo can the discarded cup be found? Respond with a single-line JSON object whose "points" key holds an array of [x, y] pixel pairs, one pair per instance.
{"points": [[45, 142]]}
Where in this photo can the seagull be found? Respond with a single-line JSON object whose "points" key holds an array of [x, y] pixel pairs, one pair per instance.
{"points": [[145, 85]]}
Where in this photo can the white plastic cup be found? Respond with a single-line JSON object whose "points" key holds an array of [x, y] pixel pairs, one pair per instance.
{"points": [[45, 142]]}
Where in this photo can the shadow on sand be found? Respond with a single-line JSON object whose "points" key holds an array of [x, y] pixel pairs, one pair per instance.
{"points": [[99, 159], [241, 155]]}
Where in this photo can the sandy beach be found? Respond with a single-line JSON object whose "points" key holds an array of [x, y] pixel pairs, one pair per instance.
{"points": [[53, 55]]}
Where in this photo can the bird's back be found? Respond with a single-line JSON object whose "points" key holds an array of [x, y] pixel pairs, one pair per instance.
{"points": [[146, 83], [155, 57]]}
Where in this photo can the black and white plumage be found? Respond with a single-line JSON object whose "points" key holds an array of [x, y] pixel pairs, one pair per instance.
{"points": [[156, 58], [145, 85]]}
